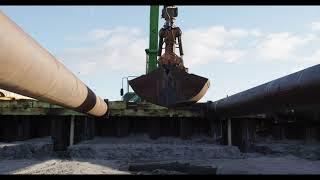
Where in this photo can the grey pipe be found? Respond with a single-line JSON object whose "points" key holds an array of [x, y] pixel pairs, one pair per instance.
{"points": [[297, 90]]}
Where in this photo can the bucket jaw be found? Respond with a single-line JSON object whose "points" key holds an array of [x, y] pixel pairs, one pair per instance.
{"points": [[170, 88]]}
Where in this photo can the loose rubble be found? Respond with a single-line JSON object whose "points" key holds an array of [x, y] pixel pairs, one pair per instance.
{"points": [[106, 155]]}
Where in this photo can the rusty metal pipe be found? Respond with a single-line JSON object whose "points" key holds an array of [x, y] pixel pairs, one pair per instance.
{"points": [[28, 69], [298, 90]]}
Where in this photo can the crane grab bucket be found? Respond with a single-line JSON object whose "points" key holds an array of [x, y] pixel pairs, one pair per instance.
{"points": [[177, 88], [169, 84]]}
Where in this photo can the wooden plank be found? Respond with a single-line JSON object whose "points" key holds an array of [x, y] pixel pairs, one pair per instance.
{"points": [[174, 166]]}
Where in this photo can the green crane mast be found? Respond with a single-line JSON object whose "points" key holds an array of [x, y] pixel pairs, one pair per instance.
{"points": [[153, 39], [152, 52]]}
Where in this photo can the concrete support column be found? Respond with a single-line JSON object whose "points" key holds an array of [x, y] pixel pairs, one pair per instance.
{"points": [[186, 128], [229, 132], [40, 126], [154, 128], [15, 128], [9, 129], [72, 125], [60, 132], [91, 127], [283, 132], [241, 133], [247, 136], [122, 126], [278, 132], [244, 136], [84, 128], [310, 134], [216, 129]]}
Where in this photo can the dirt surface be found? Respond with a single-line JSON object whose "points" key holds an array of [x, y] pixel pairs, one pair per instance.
{"points": [[114, 155]]}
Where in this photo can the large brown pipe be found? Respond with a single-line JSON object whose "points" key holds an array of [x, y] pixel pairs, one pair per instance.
{"points": [[28, 69], [300, 90]]}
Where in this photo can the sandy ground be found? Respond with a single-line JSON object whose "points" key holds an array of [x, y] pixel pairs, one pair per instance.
{"points": [[114, 155]]}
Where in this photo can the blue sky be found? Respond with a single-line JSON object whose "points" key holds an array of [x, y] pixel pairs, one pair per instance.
{"points": [[236, 47]]}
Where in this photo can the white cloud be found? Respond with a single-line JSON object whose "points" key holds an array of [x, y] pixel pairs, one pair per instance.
{"points": [[315, 25], [314, 58], [103, 33], [121, 49], [215, 43], [99, 33], [281, 45], [238, 33], [117, 48], [255, 32], [233, 55], [86, 68]]}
